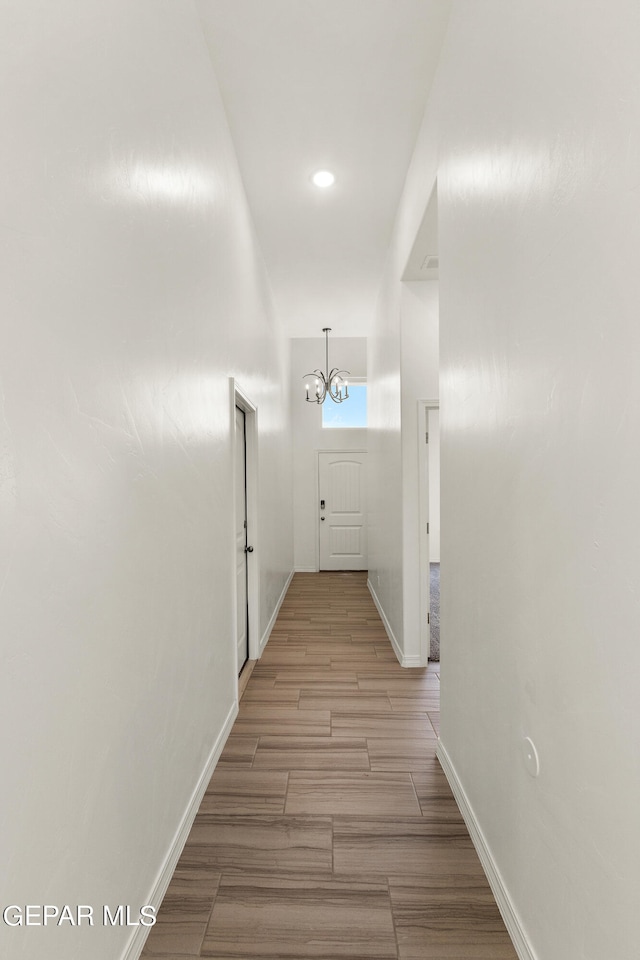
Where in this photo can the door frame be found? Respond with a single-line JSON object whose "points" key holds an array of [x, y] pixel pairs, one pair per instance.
{"points": [[239, 398], [332, 450], [424, 406]]}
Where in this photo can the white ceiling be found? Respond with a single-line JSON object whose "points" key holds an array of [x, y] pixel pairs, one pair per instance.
{"points": [[315, 84]]}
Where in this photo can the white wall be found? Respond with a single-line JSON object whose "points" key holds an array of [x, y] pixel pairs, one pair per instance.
{"points": [[309, 437], [385, 457], [403, 368], [419, 381], [533, 130], [132, 289]]}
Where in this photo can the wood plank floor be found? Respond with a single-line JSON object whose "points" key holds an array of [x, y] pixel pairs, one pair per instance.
{"points": [[328, 829]]}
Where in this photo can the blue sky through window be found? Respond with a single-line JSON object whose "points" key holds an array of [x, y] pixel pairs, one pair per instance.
{"points": [[350, 413]]}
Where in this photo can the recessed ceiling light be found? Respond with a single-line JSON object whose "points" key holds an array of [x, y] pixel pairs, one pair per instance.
{"points": [[323, 178]]}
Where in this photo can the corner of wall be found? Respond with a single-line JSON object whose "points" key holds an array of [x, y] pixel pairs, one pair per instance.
{"points": [[403, 659], [498, 886], [136, 943], [274, 616]]}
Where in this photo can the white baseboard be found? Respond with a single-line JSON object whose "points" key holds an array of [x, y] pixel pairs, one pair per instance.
{"points": [[412, 662], [274, 616], [392, 638], [136, 943], [306, 570], [403, 659], [509, 914]]}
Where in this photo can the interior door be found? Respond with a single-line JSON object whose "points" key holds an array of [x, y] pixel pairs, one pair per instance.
{"points": [[343, 530], [242, 636]]}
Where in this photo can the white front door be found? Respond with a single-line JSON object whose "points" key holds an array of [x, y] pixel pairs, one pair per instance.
{"points": [[343, 529], [242, 634]]}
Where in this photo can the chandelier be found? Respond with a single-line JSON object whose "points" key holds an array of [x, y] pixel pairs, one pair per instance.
{"points": [[328, 384]]}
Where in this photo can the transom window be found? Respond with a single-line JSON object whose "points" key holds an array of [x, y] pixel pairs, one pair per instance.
{"points": [[351, 412]]}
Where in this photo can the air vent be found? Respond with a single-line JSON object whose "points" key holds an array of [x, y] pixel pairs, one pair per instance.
{"points": [[430, 262]]}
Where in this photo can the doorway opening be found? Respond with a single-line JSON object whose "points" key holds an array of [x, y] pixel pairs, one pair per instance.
{"points": [[429, 505], [244, 437]]}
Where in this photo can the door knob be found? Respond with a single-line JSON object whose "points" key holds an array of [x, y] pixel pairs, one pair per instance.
{"points": [[322, 518], [248, 549]]}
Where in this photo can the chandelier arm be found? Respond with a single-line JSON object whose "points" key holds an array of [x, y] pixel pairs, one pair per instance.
{"points": [[321, 387], [328, 383]]}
